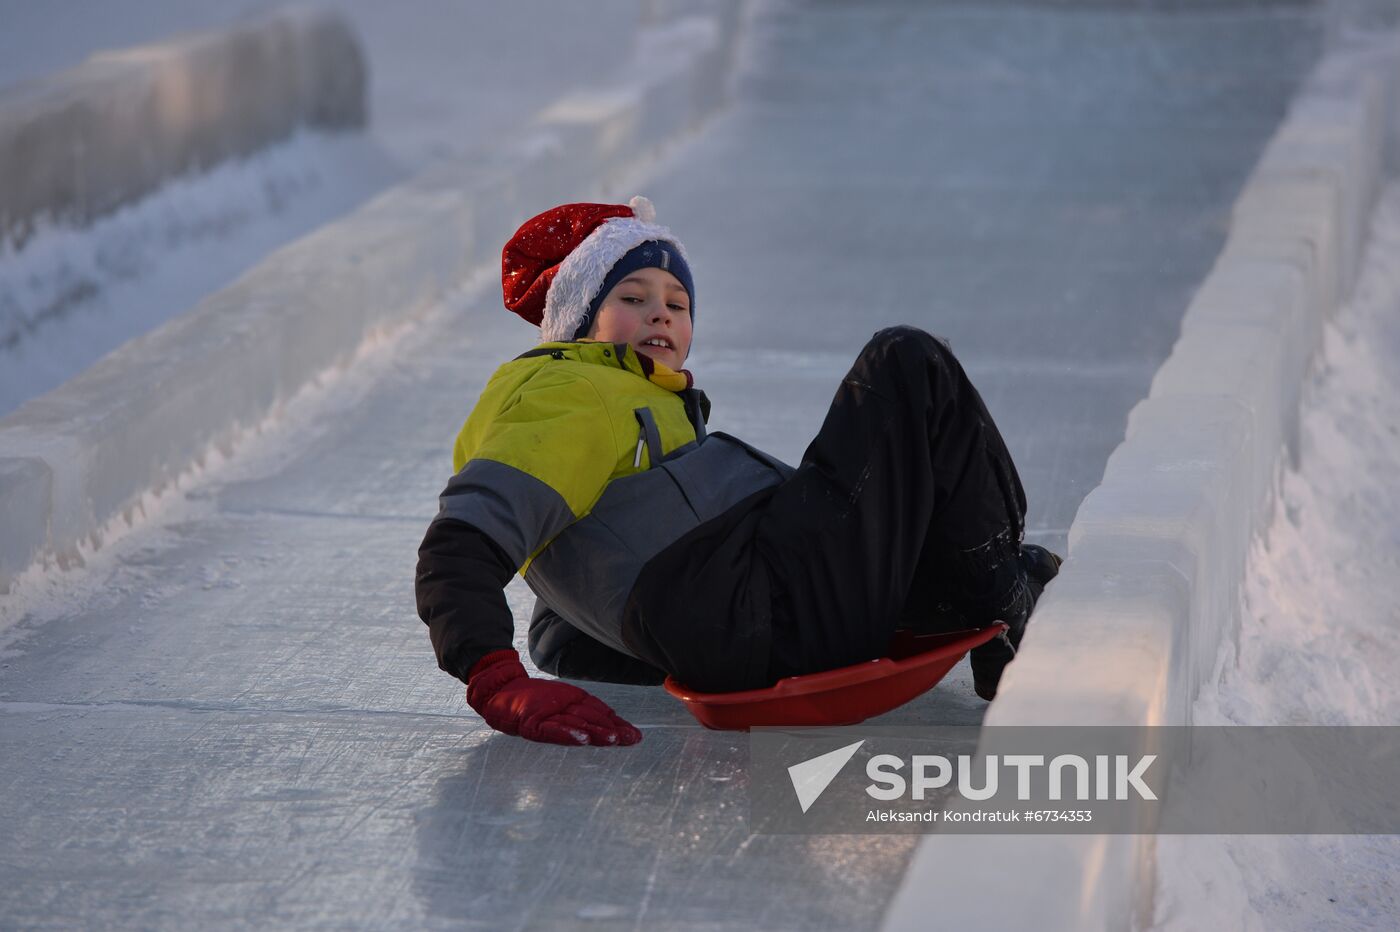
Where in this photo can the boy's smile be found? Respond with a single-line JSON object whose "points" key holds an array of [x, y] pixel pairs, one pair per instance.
{"points": [[650, 311]]}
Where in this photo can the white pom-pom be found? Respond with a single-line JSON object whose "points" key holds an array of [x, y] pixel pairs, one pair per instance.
{"points": [[642, 209]]}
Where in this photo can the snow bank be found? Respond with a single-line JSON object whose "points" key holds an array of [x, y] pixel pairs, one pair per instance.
{"points": [[71, 295], [84, 142], [1132, 627], [1317, 642], [78, 460]]}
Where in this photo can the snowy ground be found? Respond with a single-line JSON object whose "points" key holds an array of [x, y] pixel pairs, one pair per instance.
{"points": [[1318, 642], [444, 78], [73, 295]]}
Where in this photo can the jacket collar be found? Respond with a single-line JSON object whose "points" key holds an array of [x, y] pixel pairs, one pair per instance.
{"points": [[617, 356]]}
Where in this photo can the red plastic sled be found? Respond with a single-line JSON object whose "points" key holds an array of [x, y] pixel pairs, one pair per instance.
{"points": [[843, 696]]}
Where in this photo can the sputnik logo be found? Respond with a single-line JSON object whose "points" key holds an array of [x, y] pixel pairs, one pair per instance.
{"points": [[811, 777]]}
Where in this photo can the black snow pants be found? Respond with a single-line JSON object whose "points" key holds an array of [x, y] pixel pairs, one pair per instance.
{"points": [[906, 511]]}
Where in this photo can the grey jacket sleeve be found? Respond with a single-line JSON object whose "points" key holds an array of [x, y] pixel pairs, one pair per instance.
{"points": [[560, 649]]}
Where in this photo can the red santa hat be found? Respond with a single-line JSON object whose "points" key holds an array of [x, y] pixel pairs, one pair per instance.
{"points": [[554, 267]]}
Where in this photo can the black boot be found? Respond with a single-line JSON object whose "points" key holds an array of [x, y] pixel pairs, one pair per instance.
{"points": [[1022, 581]]}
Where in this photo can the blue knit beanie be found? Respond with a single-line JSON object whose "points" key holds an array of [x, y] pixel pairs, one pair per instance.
{"points": [[653, 254]]}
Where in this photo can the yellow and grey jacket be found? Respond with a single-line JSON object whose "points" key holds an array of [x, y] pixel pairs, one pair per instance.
{"points": [[580, 462]]}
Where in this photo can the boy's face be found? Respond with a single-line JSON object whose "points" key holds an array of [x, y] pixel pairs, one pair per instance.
{"points": [[647, 305]]}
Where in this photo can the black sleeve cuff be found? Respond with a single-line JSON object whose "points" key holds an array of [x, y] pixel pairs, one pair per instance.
{"points": [[459, 587]]}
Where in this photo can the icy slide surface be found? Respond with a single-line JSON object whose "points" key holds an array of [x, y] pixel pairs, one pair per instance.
{"points": [[233, 717]]}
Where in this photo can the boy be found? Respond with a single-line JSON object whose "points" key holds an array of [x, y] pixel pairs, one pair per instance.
{"points": [[656, 548]]}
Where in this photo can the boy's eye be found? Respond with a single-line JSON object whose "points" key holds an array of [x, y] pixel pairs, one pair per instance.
{"points": [[678, 307]]}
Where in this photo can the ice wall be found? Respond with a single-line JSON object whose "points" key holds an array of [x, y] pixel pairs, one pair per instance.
{"points": [[1128, 631], [86, 141]]}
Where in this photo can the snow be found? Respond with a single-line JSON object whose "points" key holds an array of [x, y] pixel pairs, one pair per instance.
{"points": [[1317, 643], [437, 90], [72, 295], [444, 75]]}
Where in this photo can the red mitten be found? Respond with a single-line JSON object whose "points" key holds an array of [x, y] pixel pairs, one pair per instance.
{"points": [[505, 696]]}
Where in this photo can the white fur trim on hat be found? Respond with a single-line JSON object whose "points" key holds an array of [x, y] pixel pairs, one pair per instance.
{"points": [[582, 272]]}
